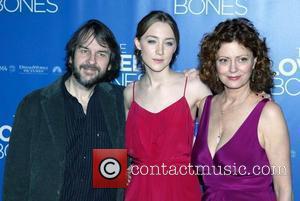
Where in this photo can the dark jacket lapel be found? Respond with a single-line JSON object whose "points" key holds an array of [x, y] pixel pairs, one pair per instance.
{"points": [[109, 107], [53, 109]]}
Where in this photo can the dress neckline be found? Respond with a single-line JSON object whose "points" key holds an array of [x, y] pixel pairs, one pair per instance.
{"points": [[162, 110], [235, 134]]}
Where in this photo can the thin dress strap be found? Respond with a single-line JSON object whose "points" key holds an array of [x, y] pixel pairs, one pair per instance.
{"points": [[185, 85], [133, 91]]}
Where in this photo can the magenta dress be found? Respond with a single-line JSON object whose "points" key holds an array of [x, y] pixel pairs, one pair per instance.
{"points": [[160, 138], [228, 176]]}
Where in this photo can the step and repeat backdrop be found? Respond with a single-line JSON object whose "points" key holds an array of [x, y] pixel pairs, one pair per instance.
{"points": [[33, 34]]}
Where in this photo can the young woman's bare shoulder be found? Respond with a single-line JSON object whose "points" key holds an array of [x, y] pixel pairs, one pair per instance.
{"points": [[128, 94]]}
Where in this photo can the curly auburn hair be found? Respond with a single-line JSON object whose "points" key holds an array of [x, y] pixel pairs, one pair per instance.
{"points": [[242, 31]]}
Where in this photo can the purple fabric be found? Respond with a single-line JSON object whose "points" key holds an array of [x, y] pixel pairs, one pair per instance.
{"points": [[228, 176]]}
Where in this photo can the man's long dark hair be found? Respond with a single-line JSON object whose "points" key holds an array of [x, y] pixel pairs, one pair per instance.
{"points": [[104, 36]]}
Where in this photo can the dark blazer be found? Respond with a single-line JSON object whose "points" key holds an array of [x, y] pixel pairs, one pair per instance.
{"points": [[35, 162]]}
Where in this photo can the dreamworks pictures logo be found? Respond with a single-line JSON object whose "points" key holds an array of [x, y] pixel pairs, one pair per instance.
{"points": [[31, 69]]}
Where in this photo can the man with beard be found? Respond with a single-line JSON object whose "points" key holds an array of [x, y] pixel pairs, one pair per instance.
{"points": [[56, 128]]}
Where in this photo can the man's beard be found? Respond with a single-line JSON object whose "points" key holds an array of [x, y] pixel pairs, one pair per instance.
{"points": [[84, 82]]}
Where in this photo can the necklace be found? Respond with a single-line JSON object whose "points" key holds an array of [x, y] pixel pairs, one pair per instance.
{"points": [[222, 112]]}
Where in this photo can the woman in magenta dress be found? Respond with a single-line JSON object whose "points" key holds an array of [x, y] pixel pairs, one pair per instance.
{"points": [[242, 147], [160, 110]]}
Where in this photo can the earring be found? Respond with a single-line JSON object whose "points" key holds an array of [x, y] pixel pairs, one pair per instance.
{"points": [[252, 77]]}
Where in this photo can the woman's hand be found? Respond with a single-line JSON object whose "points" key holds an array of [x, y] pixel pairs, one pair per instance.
{"points": [[264, 95], [129, 175], [191, 73]]}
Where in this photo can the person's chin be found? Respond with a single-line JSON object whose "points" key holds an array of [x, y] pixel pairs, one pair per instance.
{"points": [[235, 85], [89, 76], [158, 67]]}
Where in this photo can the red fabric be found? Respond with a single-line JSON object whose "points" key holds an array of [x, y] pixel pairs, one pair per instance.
{"points": [[161, 138]]}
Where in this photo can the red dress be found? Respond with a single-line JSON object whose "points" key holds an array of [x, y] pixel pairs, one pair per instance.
{"points": [[161, 142]]}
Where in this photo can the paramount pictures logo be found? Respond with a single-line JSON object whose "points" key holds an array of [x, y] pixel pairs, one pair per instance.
{"points": [[57, 70]]}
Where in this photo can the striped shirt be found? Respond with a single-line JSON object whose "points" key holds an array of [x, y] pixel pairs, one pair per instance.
{"points": [[84, 133]]}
